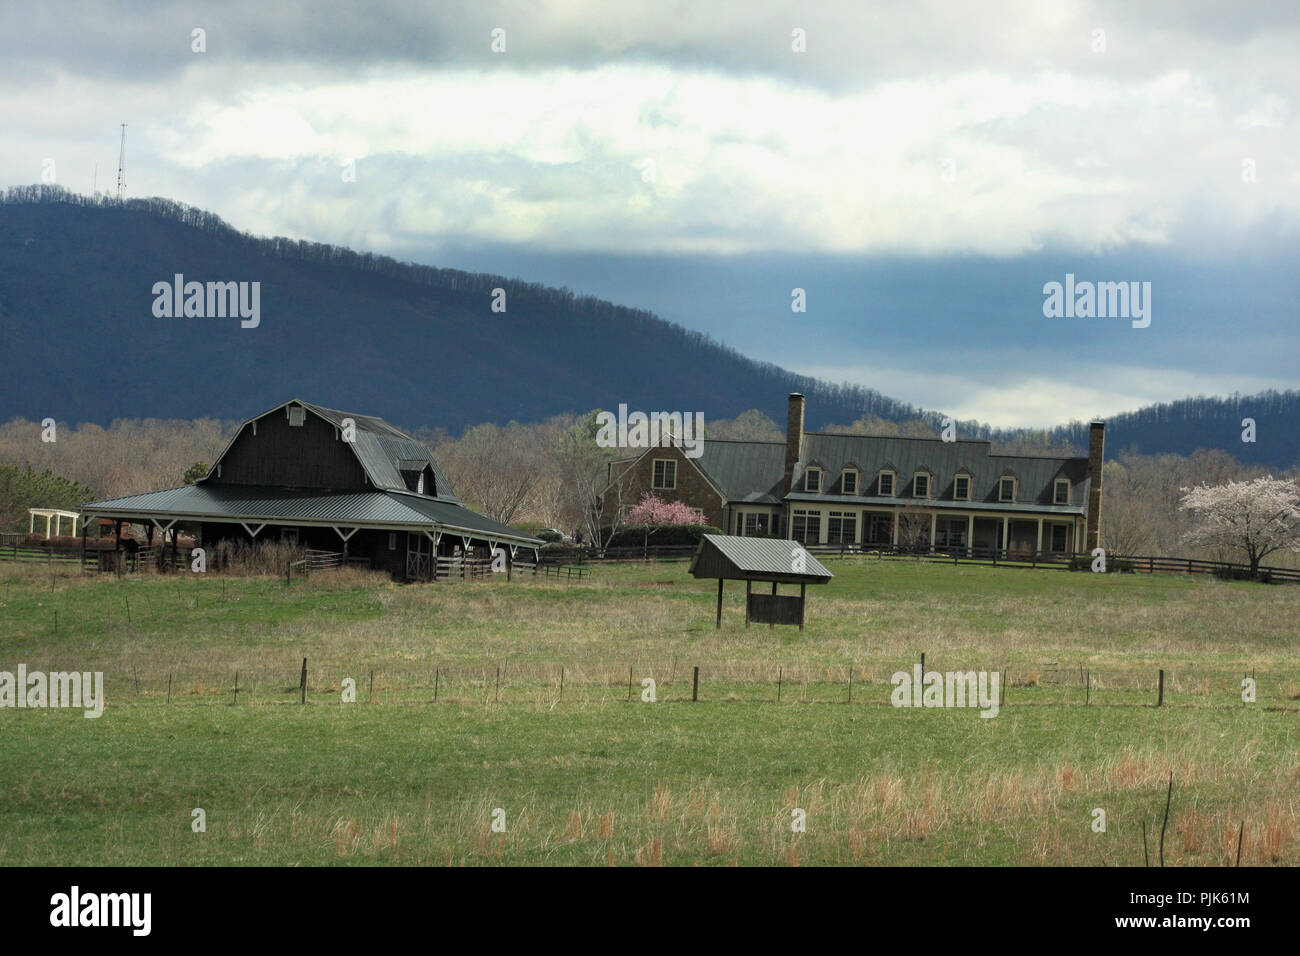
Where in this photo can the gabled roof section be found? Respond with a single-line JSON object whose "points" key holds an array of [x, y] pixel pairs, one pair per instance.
{"points": [[382, 450], [748, 472], [766, 559]]}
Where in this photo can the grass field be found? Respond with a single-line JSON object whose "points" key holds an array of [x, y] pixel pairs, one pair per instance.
{"points": [[535, 715]]}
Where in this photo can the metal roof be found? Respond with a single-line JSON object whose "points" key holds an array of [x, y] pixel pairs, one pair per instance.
{"points": [[756, 559], [382, 450], [745, 471], [233, 503], [943, 460]]}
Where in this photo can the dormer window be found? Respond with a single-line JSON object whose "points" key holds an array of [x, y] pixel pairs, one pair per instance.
{"points": [[885, 484], [1007, 489], [1061, 492], [921, 485], [812, 480], [297, 415], [419, 485], [849, 482], [961, 488]]}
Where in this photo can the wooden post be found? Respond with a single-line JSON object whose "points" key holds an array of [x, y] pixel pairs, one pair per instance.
{"points": [[371, 695], [802, 590], [1160, 689], [695, 687], [778, 683], [561, 682], [629, 682], [718, 626], [302, 683], [236, 687], [850, 683], [169, 688], [1087, 676], [748, 587], [771, 626]]}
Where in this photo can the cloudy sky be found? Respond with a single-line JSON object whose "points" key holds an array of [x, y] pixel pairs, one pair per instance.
{"points": [[920, 169]]}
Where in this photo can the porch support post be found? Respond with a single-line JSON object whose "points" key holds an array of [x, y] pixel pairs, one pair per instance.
{"points": [[1039, 547], [970, 533], [934, 521]]}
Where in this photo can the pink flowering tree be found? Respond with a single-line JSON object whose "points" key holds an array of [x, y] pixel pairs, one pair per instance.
{"points": [[1255, 517], [652, 513]]}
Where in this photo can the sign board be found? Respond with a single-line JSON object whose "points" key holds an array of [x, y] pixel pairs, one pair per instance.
{"points": [[775, 609]]}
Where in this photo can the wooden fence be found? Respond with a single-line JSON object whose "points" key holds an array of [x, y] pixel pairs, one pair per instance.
{"points": [[993, 557]]}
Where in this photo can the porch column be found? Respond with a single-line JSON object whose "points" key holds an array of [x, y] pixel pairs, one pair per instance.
{"points": [[970, 533], [934, 520], [1039, 548], [893, 540], [1006, 533], [47, 524]]}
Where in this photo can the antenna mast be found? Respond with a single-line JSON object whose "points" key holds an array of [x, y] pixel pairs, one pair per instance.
{"points": [[121, 166]]}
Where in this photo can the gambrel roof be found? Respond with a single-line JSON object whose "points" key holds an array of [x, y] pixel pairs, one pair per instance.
{"points": [[382, 450]]}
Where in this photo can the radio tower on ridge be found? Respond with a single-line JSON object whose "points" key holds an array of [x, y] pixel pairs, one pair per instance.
{"points": [[121, 167]]}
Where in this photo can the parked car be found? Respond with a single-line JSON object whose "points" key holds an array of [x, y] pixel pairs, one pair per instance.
{"points": [[555, 536]]}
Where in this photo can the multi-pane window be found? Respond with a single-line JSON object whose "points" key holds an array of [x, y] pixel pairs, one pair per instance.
{"points": [[813, 480], [841, 527], [880, 529], [961, 488], [755, 524], [849, 483], [950, 533], [1062, 492], [1007, 489], [1058, 537], [665, 474], [886, 483], [806, 526], [920, 485]]}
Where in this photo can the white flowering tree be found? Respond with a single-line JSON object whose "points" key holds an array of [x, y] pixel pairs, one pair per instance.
{"points": [[1255, 517]]}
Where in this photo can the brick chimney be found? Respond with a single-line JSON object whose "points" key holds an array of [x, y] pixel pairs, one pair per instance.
{"points": [[1096, 455], [793, 437]]}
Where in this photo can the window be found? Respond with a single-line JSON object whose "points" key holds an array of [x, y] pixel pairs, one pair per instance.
{"points": [[392, 541], [950, 533], [1061, 493], [665, 474], [841, 527], [849, 482], [1058, 537], [961, 488], [755, 524], [920, 485], [812, 480], [880, 528], [806, 526], [297, 415], [886, 483], [1007, 489]]}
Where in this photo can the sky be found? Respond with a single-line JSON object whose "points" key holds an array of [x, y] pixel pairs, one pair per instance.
{"points": [[921, 170]]}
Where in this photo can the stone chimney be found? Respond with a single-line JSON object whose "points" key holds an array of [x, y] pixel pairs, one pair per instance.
{"points": [[793, 437], [1096, 456]]}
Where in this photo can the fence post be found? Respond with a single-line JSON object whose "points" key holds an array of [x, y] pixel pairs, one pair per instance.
{"points": [[695, 687], [302, 683], [1160, 690]]}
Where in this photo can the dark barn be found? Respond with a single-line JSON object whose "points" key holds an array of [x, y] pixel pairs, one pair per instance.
{"points": [[329, 481]]}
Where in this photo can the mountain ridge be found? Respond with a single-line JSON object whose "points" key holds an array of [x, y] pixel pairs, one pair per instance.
{"points": [[412, 343]]}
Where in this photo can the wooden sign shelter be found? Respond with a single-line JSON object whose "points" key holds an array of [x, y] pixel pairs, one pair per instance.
{"points": [[775, 560]]}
